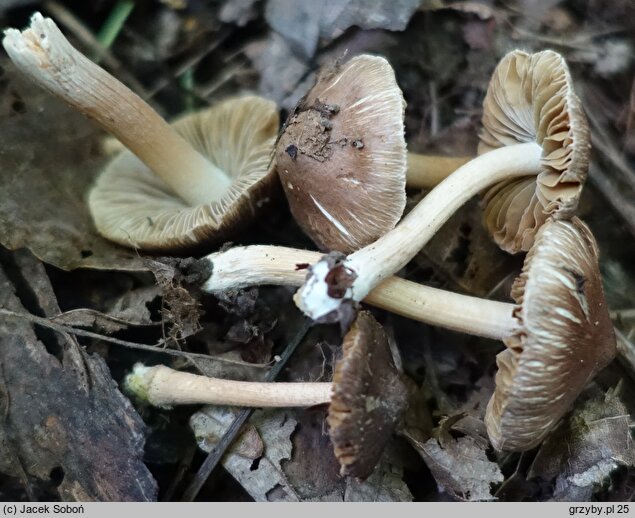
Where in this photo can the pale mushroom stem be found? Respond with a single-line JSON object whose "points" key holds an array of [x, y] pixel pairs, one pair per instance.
{"points": [[367, 267], [45, 55], [427, 171], [244, 266], [164, 387]]}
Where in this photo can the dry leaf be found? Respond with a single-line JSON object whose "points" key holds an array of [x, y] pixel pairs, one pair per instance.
{"points": [[586, 448], [239, 12], [262, 476], [133, 305], [210, 424], [48, 159], [385, 484], [305, 25], [460, 465]]}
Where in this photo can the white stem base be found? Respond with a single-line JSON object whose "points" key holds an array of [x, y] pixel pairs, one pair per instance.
{"points": [[244, 266], [394, 250]]}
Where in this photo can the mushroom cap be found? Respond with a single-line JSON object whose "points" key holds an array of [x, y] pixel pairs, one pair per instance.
{"points": [[369, 398], [565, 337], [342, 155], [531, 99], [134, 207]]}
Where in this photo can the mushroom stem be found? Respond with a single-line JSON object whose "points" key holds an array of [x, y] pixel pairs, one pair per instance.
{"points": [[244, 266], [361, 271], [427, 171], [45, 55], [162, 386]]}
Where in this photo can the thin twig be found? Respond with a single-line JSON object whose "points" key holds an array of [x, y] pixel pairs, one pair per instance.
{"points": [[188, 64], [622, 313], [626, 352], [621, 203], [603, 142], [158, 348], [214, 456]]}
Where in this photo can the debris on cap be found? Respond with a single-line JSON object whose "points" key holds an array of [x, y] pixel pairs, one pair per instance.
{"points": [[342, 155]]}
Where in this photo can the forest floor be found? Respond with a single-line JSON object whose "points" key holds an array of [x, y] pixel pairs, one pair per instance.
{"points": [[77, 312]]}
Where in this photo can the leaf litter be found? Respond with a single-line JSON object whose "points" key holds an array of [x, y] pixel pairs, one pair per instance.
{"points": [[286, 455]]}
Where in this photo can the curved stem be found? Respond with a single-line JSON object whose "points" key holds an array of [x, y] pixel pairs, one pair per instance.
{"points": [[45, 55], [367, 267], [162, 386], [244, 266], [427, 171]]}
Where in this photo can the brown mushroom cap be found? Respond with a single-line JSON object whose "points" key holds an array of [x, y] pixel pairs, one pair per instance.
{"points": [[531, 98], [342, 155], [134, 207], [565, 337], [369, 398]]}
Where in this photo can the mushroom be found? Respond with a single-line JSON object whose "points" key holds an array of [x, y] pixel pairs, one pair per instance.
{"points": [[531, 98], [428, 171], [558, 334], [341, 156], [367, 397], [551, 143], [164, 387], [244, 266], [564, 338], [175, 186]]}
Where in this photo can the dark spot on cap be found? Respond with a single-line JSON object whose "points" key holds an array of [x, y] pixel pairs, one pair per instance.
{"points": [[292, 151]]}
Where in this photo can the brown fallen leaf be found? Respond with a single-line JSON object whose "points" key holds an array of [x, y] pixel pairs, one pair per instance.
{"points": [[212, 422], [459, 464], [385, 484], [48, 159], [133, 305], [67, 432], [259, 473], [593, 442]]}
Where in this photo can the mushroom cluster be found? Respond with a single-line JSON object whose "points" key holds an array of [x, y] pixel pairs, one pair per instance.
{"points": [[342, 160], [174, 187], [532, 163]]}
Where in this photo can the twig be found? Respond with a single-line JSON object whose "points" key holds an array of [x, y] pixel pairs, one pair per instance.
{"points": [[603, 142], [434, 108], [188, 64], [626, 352], [621, 203], [230, 435], [622, 313], [158, 348]]}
